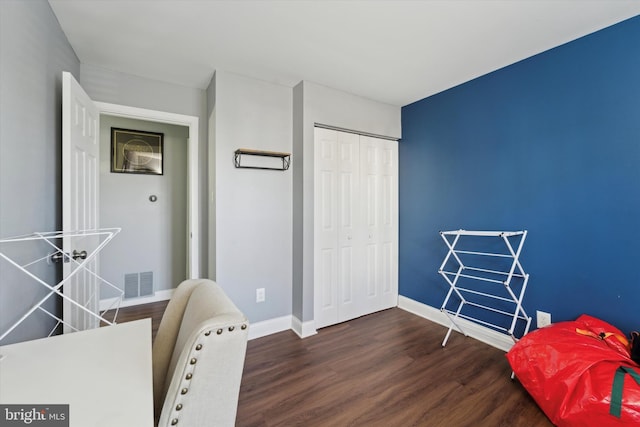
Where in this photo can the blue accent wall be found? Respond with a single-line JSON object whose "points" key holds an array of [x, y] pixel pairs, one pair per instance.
{"points": [[550, 144]]}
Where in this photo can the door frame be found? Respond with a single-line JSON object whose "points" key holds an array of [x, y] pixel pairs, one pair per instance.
{"points": [[193, 200]]}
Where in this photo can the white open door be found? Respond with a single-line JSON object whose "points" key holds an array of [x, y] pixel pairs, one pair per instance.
{"points": [[80, 171]]}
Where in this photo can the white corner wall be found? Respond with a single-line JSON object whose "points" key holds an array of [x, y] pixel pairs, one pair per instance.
{"points": [[253, 207]]}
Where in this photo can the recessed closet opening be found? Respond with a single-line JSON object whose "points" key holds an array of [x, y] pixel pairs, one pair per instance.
{"points": [[356, 225]]}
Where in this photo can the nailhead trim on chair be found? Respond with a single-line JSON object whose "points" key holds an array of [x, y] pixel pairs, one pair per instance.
{"points": [[193, 361]]}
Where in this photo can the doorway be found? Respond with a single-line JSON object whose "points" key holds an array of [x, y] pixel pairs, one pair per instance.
{"points": [[159, 234], [147, 258]]}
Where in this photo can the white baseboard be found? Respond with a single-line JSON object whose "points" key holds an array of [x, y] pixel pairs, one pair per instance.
{"points": [[473, 330], [307, 329], [303, 329], [268, 327], [256, 330], [110, 303]]}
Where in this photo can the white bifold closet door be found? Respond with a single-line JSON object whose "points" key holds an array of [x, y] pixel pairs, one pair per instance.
{"points": [[356, 225]]}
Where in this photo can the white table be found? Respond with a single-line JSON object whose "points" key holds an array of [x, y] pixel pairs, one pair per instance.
{"points": [[104, 374]]}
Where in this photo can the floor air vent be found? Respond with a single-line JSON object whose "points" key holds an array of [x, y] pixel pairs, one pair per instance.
{"points": [[138, 284]]}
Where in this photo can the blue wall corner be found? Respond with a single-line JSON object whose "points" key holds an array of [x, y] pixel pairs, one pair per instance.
{"points": [[550, 144]]}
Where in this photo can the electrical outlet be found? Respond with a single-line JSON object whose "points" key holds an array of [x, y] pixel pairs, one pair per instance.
{"points": [[543, 318], [260, 295]]}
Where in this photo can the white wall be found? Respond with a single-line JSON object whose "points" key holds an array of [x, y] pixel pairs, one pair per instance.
{"points": [[323, 105], [33, 53], [154, 234], [253, 207], [124, 89]]}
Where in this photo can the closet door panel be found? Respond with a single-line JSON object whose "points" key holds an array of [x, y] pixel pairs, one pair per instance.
{"points": [[379, 166], [327, 270], [349, 235], [356, 225], [326, 227], [388, 229], [346, 279], [370, 200], [371, 271], [388, 283]]}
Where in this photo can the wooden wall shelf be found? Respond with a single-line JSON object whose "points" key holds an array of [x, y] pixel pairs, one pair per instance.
{"points": [[286, 158]]}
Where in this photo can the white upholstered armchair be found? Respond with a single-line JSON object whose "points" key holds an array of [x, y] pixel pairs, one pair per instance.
{"points": [[198, 357]]}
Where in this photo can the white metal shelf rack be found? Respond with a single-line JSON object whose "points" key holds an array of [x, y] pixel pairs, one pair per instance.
{"points": [[80, 267], [486, 280]]}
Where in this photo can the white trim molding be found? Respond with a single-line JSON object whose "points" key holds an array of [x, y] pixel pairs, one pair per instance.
{"points": [[303, 329], [268, 327], [480, 333]]}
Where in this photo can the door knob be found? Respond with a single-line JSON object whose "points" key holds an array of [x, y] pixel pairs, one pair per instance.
{"points": [[59, 257], [79, 255], [64, 257]]}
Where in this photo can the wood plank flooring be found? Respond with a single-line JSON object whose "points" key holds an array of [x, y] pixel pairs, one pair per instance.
{"points": [[142, 311], [385, 369]]}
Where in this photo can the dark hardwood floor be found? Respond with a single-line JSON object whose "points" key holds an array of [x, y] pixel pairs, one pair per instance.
{"points": [[385, 369], [154, 311]]}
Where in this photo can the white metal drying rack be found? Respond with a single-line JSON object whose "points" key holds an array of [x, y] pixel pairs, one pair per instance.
{"points": [[509, 275], [54, 240]]}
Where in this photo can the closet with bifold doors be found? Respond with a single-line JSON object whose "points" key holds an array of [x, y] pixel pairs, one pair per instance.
{"points": [[355, 225]]}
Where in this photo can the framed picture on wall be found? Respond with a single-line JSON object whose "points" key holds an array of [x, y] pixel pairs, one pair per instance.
{"points": [[135, 151]]}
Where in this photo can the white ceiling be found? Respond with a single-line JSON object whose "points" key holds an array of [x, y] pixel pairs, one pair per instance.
{"points": [[395, 52]]}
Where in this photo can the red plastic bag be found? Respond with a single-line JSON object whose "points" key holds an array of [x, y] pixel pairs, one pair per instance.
{"points": [[569, 370]]}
